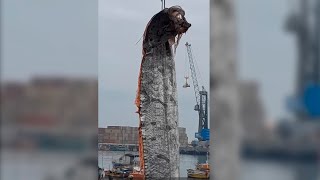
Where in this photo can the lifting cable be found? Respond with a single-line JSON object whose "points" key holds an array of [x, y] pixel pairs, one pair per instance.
{"points": [[163, 4], [186, 66]]}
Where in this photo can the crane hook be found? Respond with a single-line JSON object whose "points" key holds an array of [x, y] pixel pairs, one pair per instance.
{"points": [[186, 85]]}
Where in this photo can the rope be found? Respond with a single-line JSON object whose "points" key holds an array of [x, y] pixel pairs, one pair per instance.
{"points": [[139, 40]]}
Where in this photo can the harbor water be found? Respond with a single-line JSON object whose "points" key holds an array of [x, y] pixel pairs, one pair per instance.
{"points": [[186, 161], [42, 166], [257, 169]]}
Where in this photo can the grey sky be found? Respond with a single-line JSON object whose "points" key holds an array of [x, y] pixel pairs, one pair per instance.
{"points": [[266, 54], [60, 38], [266, 51], [48, 38], [121, 25]]}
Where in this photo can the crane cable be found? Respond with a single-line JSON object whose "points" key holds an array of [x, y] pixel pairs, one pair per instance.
{"points": [[163, 4], [186, 65]]}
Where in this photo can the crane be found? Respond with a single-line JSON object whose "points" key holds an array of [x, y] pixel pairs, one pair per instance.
{"points": [[201, 100], [305, 25]]}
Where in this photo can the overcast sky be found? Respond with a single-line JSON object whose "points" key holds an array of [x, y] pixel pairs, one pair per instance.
{"points": [[266, 54], [121, 25], [54, 38], [59, 38]]}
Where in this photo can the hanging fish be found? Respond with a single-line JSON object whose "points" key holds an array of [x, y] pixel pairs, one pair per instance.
{"points": [[157, 95]]}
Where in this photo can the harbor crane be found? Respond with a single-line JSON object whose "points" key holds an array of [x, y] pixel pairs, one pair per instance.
{"points": [[304, 23], [201, 106]]}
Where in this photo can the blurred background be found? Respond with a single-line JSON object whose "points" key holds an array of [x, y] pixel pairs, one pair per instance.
{"points": [[276, 71], [49, 67], [49, 89]]}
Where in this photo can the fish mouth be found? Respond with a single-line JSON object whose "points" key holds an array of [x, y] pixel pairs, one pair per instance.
{"points": [[184, 28]]}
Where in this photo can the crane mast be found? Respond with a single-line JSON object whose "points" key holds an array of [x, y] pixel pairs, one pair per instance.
{"points": [[305, 24], [201, 100]]}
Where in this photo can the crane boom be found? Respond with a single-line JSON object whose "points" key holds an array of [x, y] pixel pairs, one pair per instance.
{"points": [[193, 74], [201, 100]]}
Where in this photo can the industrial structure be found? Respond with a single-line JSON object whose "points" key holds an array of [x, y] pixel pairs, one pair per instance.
{"points": [[51, 113], [305, 24], [201, 106]]}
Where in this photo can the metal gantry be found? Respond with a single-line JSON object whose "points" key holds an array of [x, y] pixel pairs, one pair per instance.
{"points": [[305, 24], [201, 100]]}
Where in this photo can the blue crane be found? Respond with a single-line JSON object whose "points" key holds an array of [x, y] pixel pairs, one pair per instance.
{"points": [[201, 106], [305, 24]]}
